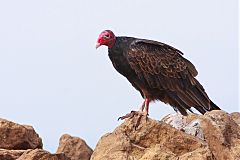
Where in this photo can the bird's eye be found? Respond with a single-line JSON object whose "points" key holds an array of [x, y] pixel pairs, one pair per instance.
{"points": [[107, 36]]}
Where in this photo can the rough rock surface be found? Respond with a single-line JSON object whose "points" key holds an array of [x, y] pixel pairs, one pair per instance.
{"points": [[10, 154], [218, 128], [213, 136], [21, 142], [16, 136], [236, 117], [222, 134], [75, 148], [39, 154]]}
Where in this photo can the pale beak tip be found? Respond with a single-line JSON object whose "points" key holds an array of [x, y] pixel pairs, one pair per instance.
{"points": [[97, 45]]}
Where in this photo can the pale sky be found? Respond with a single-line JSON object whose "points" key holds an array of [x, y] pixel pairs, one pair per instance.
{"points": [[54, 79]]}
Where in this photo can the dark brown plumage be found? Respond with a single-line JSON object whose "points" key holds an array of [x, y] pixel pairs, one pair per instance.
{"points": [[158, 71]]}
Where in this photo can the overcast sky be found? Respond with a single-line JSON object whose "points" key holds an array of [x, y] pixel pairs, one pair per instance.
{"points": [[52, 77]]}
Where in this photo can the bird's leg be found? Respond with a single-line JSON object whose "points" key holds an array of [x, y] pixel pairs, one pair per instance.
{"points": [[146, 106], [143, 112]]}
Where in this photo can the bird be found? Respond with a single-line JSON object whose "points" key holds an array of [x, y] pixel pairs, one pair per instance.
{"points": [[158, 71]]}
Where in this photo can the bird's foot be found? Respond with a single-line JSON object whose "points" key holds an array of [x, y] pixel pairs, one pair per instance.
{"points": [[129, 115], [139, 115]]}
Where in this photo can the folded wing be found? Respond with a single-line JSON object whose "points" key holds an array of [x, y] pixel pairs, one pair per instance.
{"points": [[163, 67]]}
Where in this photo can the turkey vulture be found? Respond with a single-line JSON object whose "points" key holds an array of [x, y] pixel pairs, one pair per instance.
{"points": [[158, 71]]}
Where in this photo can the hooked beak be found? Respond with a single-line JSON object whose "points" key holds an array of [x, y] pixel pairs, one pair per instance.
{"points": [[98, 45]]}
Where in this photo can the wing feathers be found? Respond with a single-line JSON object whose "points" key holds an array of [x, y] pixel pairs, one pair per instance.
{"points": [[163, 67]]}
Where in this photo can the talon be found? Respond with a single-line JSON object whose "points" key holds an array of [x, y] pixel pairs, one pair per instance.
{"points": [[129, 115], [146, 117], [133, 113]]}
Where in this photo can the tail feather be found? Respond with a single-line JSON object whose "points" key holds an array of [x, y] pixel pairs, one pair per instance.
{"points": [[200, 109], [214, 106]]}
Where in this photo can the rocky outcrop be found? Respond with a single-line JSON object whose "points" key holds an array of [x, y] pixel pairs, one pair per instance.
{"points": [[21, 142], [39, 154], [15, 139], [16, 136], [75, 148], [218, 129], [213, 136]]}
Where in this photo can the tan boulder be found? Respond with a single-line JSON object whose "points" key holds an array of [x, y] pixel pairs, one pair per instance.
{"points": [[75, 148], [222, 134], [213, 136], [152, 140], [39, 154], [219, 129], [16, 136]]}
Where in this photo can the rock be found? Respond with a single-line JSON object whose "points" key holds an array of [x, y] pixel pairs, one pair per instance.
{"points": [[158, 153], [16, 136], [213, 136], [75, 148], [39, 154], [219, 129], [189, 124], [21, 142], [236, 117], [198, 154], [222, 134], [163, 153], [10, 154], [152, 140], [179, 121]]}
